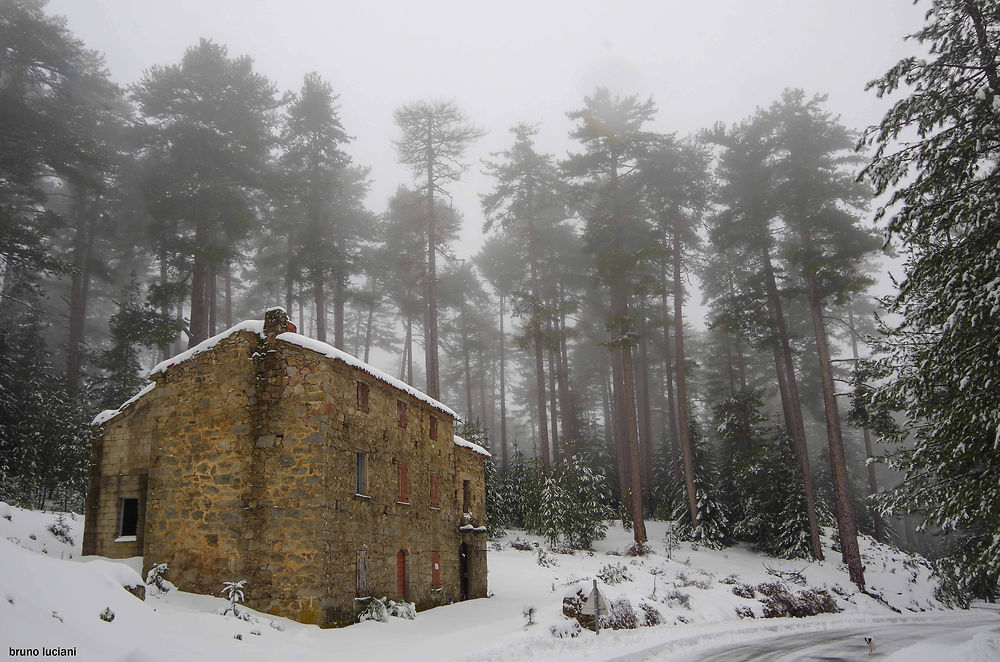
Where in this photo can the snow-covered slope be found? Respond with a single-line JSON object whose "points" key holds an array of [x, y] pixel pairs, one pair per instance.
{"points": [[50, 596]]}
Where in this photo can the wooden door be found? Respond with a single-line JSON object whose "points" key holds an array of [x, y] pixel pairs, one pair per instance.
{"points": [[401, 574]]}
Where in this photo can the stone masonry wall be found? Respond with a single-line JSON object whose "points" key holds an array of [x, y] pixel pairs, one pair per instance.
{"points": [[251, 452], [197, 475], [120, 469]]}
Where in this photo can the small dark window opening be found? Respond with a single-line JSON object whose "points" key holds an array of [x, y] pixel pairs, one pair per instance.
{"points": [[130, 517], [362, 472], [401, 413], [434, 428], [363, 397], [466, 496]]}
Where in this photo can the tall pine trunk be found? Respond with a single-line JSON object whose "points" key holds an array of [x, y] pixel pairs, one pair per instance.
{"points": [[644, 409], [554, 404], [229, 294], [319, 301], [790, 404], [684, 436], [83, 247], [198, 329], [844, 505], [431, 311], [670, 411], [503, 391], [872, 482], [543, 427]]}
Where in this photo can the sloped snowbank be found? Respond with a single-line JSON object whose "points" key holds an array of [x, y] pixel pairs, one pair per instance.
{"points": [[43, 574]]}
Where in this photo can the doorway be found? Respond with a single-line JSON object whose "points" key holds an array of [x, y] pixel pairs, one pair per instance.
{"points": [[401, 574], [463, 571]]}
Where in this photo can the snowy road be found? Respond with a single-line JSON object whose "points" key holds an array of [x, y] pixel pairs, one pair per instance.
{"points": [[933, 639]]}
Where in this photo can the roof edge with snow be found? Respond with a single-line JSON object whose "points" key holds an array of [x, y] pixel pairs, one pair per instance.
{"points": [[332, 352], [475, 448]]}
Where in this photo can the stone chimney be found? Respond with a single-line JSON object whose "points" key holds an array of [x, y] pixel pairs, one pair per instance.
{"points": [[275, 322]]}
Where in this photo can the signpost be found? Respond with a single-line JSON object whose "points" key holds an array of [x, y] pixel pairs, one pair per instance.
{"points": [[596, 606]]}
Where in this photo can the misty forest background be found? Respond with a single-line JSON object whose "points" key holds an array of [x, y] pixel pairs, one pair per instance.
{"points": [[137, 222]]}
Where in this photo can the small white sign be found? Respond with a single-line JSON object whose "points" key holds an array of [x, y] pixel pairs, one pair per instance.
{"points": [[596, 604]]}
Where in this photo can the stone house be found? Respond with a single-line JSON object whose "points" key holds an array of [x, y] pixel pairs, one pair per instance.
{"points": [[266, 456]]}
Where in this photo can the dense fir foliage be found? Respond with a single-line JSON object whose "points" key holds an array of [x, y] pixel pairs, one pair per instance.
{"points": [[136, 223], [942, 359]]}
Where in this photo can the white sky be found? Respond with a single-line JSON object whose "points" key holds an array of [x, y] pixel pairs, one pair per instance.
{"points": [[701, 61]]}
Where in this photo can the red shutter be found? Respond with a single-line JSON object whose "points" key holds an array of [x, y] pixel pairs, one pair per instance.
{"points": [[401, 575], [435, 569], [362, 397], [403, 487], [434, 428], [435, 494], [401, 413]]}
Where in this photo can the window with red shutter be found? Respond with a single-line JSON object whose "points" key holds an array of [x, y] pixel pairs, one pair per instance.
{"points": [[362, 397], [401, 470], [434, 428], [435, 570], [435, 493], [401, 413]]}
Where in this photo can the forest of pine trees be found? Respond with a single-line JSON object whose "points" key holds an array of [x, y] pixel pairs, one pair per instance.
{"points": [[136, 222]]}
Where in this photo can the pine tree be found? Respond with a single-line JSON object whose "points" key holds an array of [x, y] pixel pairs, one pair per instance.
{"points": [[133, 328], [821, 203], [435, 137], [207, 136], [712, 526], [943, 359]]}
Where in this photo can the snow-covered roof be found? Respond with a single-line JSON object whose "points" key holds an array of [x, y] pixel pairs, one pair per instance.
{"points": [[254, 326], [257, 326], [332, 352], [476, 448], [108, 414]]}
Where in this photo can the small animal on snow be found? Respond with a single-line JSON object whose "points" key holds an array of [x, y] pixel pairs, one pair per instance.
{"points": [[871, 644]]}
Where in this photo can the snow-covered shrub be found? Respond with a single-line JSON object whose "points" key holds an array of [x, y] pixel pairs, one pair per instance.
{"points": [[372, 609], [730, 580], [529, 615], [107, 615], [545, 559], [572, 602], [650, 614], [809, 602], [402, 609], [744, 591], [621, 616], [679, 598], [614, 573], [522, 545], [60, 529], [155, 578], [638, 549], [745, 612], [683, 581], [771, 588], [565, 630]]}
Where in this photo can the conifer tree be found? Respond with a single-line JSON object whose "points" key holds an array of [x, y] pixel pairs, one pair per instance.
{"points": [[205, 142], [435, 137], [821, 204], [943, 359], [618, 237], [712, 526]]}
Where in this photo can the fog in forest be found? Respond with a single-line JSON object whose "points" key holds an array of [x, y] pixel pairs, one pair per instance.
{"points": [[636, 237]]}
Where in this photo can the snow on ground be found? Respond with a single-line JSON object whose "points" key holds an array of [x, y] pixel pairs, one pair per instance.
{"points": [[50, 596]]}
